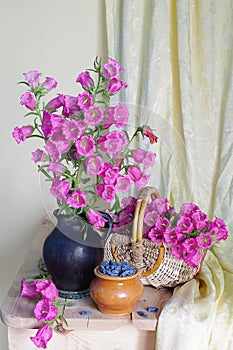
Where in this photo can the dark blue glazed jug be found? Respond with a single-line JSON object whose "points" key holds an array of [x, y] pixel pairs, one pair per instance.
{"points": [[71, 252]]}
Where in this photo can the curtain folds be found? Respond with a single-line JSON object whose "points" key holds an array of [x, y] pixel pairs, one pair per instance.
{"points": [[178, 60]]}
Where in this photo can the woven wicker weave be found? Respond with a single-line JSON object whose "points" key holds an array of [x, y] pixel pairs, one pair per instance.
{"points": [[157, 266]]}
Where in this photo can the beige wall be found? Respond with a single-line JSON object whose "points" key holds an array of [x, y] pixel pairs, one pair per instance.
{"points": [[60, 39]]}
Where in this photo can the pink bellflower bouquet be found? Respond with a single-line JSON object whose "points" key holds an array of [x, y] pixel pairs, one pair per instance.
{"points": [[87, 153], [189, 233]]}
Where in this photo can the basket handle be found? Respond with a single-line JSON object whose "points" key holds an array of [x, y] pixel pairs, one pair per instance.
{"points": [[144, 196]]}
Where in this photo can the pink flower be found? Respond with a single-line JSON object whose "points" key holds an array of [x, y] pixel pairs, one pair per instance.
{"points": [[123, 183], [29, 289], [49, 84], [142, 182], [109, 173], [147, 131], [93, 116], [199, 220], [46, 126], [184, 225], [85, 80], [28, 100], [94, 165], [107, 192], [50, 123], [45, 311], [52, 150], [138, 155], [172, 236], [112, 69], [135, 173], [56, 168], [32, 78], [47, 289], [124, 218], [177, 250], [129, 203], [150, 218], [155, 235], [43, 335], [58, 135], [140, 179], [146, 158], [62, 145], [77, 199], [56, 102], [204, 240], [160, 205], [60, 189], [20, 134], [109, 117], [95, 218], [85, 100], [163, 224], [191, 245], [149, 159], [188, 209], [73, 129], [113, 142], [193, 259], [121, 115], [115, 85], [38, 156], [218, 228], [85, 145], [70, 105]]}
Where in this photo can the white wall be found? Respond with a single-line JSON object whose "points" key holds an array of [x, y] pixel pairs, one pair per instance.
{"points": [[60, 39]]}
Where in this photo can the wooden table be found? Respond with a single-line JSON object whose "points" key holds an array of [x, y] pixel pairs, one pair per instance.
{"points": [[97, 331]]}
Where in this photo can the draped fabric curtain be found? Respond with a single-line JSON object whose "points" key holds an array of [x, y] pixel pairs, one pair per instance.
{"points": [[178, 60]]}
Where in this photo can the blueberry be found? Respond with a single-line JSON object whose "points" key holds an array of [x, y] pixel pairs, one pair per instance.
{"points": [[84, 313], [152, 309], [114, 268], [143, 313]]}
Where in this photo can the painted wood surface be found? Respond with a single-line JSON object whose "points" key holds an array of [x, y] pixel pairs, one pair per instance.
{"points": [[97, 331], [124, 338]]}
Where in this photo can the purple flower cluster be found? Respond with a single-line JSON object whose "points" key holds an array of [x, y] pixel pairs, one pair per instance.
{"points": [[188, 232], [86, 153], [46, 307]]}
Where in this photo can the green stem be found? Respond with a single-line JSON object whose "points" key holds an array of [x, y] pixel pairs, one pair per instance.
{"points": [[79, 172], [134, 135], [97, 86], [40, 136], [40, 168]]}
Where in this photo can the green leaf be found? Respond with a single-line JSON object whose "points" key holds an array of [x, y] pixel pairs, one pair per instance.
{"points": [[116, 204], [62, 318], [30, 113], [63, 206], [62, 303], [23, 82], [41, 168]]}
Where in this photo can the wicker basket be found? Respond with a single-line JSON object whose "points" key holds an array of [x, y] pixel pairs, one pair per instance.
{"points": [[157, 266]]}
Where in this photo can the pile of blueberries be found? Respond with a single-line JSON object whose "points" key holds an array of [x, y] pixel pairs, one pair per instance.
{"points": [[117, 269]]}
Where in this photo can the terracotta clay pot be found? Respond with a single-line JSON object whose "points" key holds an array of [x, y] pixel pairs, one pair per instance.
{"points": [[115, 296]]}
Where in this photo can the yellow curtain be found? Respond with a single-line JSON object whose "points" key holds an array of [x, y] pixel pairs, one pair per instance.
{"points": [[178, 60]]}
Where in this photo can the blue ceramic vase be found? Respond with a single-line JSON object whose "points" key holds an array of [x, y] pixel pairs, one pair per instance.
{"points": [[71, 252]]}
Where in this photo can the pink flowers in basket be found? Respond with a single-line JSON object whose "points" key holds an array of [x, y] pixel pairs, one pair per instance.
{"points": [[87, 152], [189, 232]]}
